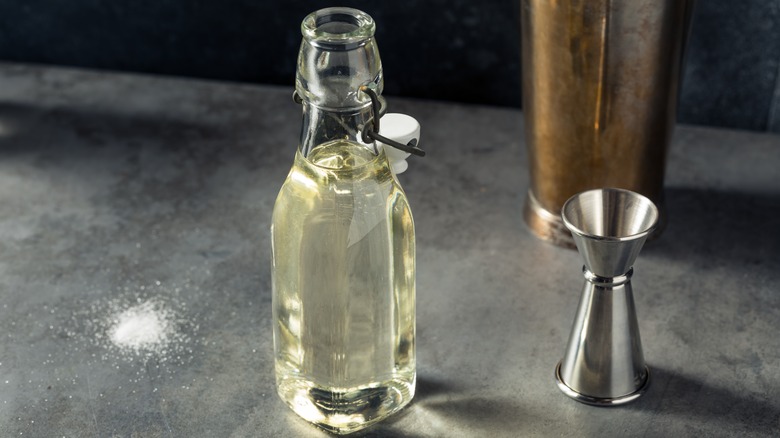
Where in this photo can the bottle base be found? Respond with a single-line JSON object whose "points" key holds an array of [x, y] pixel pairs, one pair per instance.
{"points": [[345, 410]]}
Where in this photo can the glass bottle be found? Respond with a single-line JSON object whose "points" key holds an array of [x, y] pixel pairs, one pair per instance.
{"points": [[343, 243]]}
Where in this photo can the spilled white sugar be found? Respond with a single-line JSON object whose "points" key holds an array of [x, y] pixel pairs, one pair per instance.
{"points": [[144, 327], [153, 328]]}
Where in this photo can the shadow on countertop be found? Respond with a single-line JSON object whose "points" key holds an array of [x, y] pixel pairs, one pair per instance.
{"points": [[711, 228], [28, 127], [692, 398]]}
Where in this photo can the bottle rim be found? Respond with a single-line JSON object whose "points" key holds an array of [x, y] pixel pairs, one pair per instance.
{"points": [[338, 28]]}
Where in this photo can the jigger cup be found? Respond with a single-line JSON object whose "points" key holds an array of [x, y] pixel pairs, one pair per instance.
{"points": [[603, 363]]}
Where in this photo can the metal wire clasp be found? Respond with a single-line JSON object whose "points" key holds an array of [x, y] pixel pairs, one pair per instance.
{"points": [[371, 130]]}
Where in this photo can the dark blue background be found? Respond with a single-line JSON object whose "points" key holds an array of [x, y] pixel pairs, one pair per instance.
{"points": [[445, 49]]}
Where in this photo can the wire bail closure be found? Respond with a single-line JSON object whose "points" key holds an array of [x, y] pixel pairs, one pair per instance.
{"points": [[371, 130]]}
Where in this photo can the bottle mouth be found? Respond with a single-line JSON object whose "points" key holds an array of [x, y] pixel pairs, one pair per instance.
{"points": [[338, 28]]}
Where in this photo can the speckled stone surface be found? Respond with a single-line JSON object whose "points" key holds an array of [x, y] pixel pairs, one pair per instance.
{"points": [[119, 189]]}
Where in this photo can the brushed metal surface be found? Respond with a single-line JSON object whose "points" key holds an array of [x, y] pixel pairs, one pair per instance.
{"points": [[609, 227], [604, 363], [600, 84]]}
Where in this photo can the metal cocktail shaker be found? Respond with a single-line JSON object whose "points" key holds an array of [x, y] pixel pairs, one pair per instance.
{"points": [[600, 81]]}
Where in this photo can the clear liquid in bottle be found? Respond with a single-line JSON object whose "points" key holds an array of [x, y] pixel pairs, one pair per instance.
{"points": [[344, 286]]}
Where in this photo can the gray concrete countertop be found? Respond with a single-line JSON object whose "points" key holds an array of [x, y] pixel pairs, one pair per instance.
{"points": [[125, 191]]}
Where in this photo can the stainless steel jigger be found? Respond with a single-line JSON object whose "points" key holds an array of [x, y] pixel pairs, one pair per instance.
{"points": [[603, 364]]}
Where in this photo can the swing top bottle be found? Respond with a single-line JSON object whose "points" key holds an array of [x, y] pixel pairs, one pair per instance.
{"points": [[343, 243]]}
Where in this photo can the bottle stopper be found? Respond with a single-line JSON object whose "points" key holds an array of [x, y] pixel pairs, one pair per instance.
{"points": [[403, 129]]}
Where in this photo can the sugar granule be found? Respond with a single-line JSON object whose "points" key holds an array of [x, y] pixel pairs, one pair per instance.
{"points": [[145, 327]]}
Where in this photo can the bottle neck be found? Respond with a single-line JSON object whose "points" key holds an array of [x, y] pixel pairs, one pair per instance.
{"points": [[321, 125], [338, 56]]}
